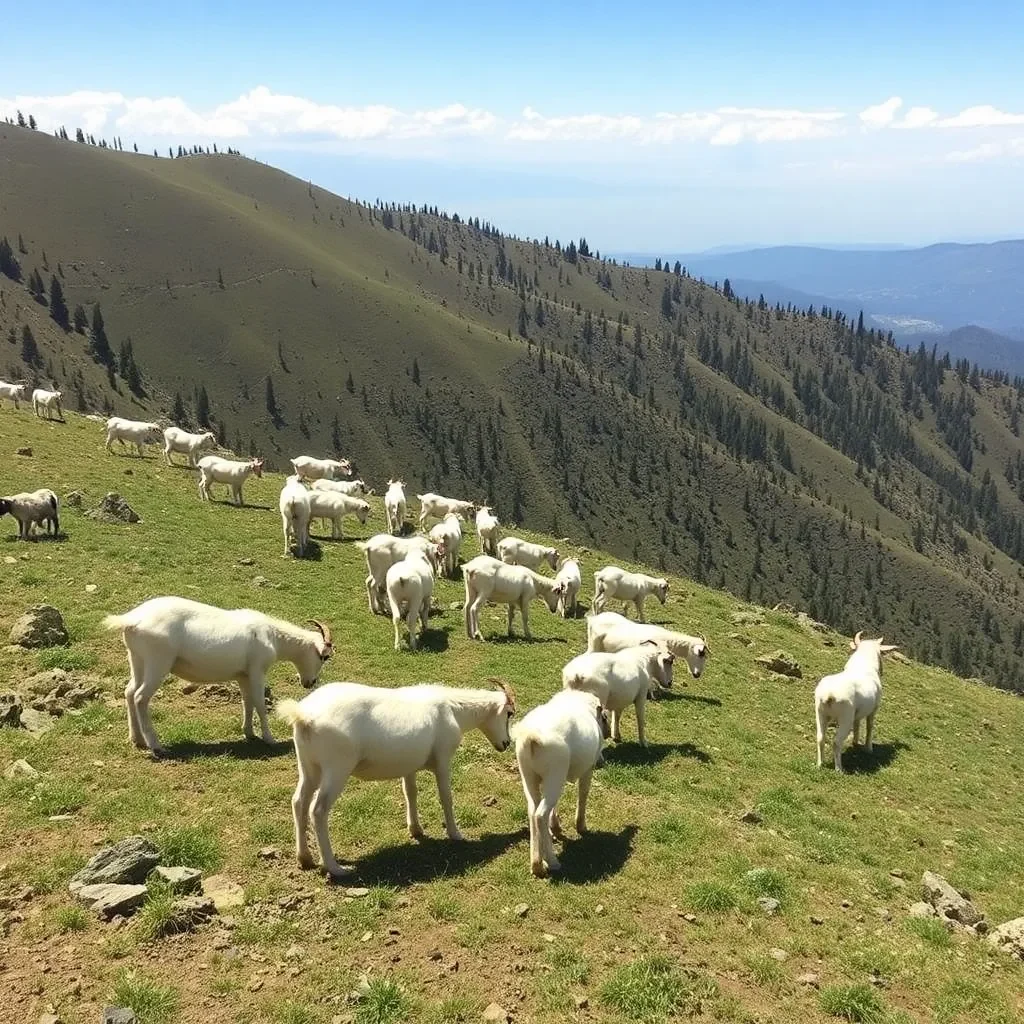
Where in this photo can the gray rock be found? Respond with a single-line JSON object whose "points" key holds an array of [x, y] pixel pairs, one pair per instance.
{"points": [[41, 626], [750, 816], [189, 912], [111, 900], [55, 680], [27, 452], [1009, 937], [49, 1018], [782, 663], [769, 905], [948, 903], [20, 769], [73, 499], [922, 910], [36, 722], [494, 1012], [118, 1015], [808, 978], [811, 624], [125, 863], [521, 909], [113, 509], [778, 954], [10, 709], [225, 893], [745, 618], [180, 880]]}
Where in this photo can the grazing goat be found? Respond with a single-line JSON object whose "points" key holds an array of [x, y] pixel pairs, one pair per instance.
{"points": [[308, 468], [295, 515], [609, 631], [438, 506], [844, 698], [394, 506], [47, 401], [353, 488], [132, 432], [410, 584], [203, 644], [190, 445], [556, 743], [488, 529], [30, 508], [214, 469], [447, 534], [382, 551], [515, 551], [345, 729], [335, 506], [621, 679], [611, 582], [13, 392], [572, 581], [490, 581]]}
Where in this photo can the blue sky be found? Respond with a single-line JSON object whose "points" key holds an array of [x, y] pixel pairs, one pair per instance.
{"points": [[644, 127]]}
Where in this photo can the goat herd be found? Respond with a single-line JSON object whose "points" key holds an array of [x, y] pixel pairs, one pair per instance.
{"points": [[373, 733]]}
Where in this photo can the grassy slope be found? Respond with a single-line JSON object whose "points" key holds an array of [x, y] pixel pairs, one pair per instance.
{"points": [[321, 279], [939, 793]]}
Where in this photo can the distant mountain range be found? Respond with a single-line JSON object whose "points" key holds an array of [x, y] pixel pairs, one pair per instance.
{"points": [[932, 293]]}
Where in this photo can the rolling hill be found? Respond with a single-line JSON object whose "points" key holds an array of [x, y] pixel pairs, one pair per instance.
{"points": [[725, 879], [785, 457]]}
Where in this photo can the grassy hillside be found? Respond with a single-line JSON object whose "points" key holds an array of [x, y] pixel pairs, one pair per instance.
{"points": [[782, 456], [657, 912]]}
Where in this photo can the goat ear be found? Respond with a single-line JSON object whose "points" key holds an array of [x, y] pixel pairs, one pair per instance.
{"points": [[886, 648]]}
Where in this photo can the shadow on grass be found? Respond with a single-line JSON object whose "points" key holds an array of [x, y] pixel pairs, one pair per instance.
{"points": [[503, 638], [313, 552], [677, 693], [857, 761], [248, 506], [431, 858], [594, 856], [241, 750], [435, 640], [40, 538], [628, 752]]}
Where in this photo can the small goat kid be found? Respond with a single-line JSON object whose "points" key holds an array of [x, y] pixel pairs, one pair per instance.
{"points": [[609, 631], [214, 469], [488, 530], [12, 392], [204, 644], [845, 698], [295, 515], [621, 679], [490, 581], [613, 583], [447, 535], [410, 584], [132, 432], [572, 581], [556, 743], [515, 551], [187, 444], [31, 508], [334, 506], [345, 729], [308, 468], [394, 506], [382, 551], [438, 506], [47, 401]]}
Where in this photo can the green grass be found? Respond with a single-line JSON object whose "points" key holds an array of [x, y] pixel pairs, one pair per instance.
{"points": [[153, 1003], [386, 1002], [70, 919], [667, 840], [857, 1003], [66, 658], [931, 930]]}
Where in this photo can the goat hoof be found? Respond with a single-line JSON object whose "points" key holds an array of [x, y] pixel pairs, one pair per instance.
{"points": [[554, 866], [341, 871], [456, 837], [537, 870], [417, 834], [306, 863]]}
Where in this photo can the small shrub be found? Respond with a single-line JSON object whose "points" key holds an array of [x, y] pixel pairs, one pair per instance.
{"points": [[152, 1003], [384, 1003], [57, 796], [442, 906], [71, 919], [653, 988], [766, 882], [291, 1012], [931, 930], [856, 1003], [66, 658], [190, 846], [712, 897], [156, 917]]}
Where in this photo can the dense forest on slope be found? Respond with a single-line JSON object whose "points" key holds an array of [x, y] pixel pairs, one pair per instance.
{"points": [[785, 455]]}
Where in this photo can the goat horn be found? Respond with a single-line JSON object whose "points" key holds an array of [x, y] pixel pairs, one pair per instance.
{"points": [[325, 630], [505, 688], [856, 639]]}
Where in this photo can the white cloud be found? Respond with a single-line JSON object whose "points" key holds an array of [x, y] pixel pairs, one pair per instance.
{"points": [[881, 114], [918, 117], [984, 116], [988, 151]]}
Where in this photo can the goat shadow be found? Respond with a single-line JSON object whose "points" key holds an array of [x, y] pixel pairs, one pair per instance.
{"points": [[518, 638], [682, 694], [313, 552], [228, 503], [594, 856], [240, 750], [430, 858], [435, 639], [629, 752], [40, 538], [857, 761]]}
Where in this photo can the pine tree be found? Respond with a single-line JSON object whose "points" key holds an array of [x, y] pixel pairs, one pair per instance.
{"points": [[415, 371], [220, 279], [81, 320], [9, 265], [29, 349], [99, 344], [202, 407], [32, 122], [350, 384], [272, 402], [58, 307], [523, 320], [178, 412], [336, 435]]}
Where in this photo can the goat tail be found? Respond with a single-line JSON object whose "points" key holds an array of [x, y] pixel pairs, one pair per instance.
{"points": [[53, 502], [112, 622], [290, 711], [830, 699]]}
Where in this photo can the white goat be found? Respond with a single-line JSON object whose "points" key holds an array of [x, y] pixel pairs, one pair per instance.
{"points": [[556, 743], [132, 432], [410, 584], [382, 551], [488, 529], [438, 506], [203, 644], [334, 506], [394, 506], [345, 729], [47, 401], [12, 392], [609, 631], [190, 445], [447, 534], [490, 581], [295, 515], [214, 469], [515, 551], [308, 468], [621, 679], [30, 508], [353, 488], [572, 580], [844, 698], [611, 582]]}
